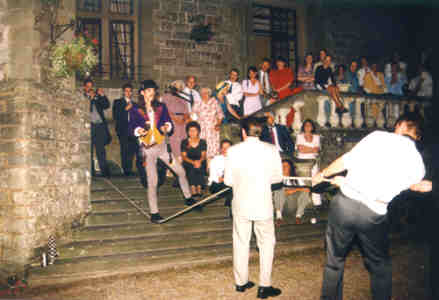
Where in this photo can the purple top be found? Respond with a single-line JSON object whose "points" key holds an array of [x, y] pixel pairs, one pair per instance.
{"points": [[161, 117], [303, 73]]}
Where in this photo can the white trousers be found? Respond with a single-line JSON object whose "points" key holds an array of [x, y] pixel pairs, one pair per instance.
{"points": [[265, 237]]}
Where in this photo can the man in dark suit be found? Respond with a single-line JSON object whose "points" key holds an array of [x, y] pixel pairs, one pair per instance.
{"points": [[128, 144], [100, 135], [277, 135]]}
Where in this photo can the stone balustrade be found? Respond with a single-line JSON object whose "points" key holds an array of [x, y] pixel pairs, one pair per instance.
{"points": [[340, 132]]}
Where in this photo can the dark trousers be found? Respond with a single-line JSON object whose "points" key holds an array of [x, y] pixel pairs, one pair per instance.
{"points": [[128, 149], [99, 136], [228, 196], [348, 220]]}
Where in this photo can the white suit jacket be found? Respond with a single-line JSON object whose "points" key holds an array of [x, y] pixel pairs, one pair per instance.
{"points": [[250, 169]]}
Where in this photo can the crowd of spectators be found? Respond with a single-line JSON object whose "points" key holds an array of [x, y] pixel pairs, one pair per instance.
{"points": [[204, 117]]}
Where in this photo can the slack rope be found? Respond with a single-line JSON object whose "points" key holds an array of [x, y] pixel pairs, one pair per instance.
{"points": [[139, 208]]}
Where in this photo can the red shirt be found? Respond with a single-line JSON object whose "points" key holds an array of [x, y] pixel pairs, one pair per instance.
{"points": [[279, 78]]}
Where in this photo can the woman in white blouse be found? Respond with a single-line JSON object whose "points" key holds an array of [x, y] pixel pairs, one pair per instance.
{"points": [[308, 147], [252, 90]]}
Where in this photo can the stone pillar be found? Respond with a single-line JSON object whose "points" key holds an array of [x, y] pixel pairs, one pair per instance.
{"points": [[44, 146]]}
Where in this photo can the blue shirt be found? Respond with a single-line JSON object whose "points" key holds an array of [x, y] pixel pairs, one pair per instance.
{"points": [[352, 79]]}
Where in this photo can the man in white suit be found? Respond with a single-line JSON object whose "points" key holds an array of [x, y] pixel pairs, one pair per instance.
{"points": [[251, 178]]}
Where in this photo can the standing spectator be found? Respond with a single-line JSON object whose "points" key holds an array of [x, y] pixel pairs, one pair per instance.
{"points": [[290, 193], [216, 174], [230, 124], [322, 55], [128, 144], [363, 71], [252, 92], [351, 77], [193, 150], [251, 178], [282, 78], [379, 167], [278, 135], [100, 135], [194, 96], [308, 147], [325, 80], [264, 79], [235, 94], [401, 67], [395, 81], [209, 116], [179, 112], [374, 81], [305, 75], [422, 85]]}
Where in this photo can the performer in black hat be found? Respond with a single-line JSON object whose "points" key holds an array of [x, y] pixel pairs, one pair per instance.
{"points": [[150, 121]]}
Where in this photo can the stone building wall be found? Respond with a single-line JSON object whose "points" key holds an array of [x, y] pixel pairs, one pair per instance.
{"points": [[176, 55], [44, 145], [348, 32]]}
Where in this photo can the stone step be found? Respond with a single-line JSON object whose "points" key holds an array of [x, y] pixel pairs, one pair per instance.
{"points": [[134, 264], [157, 243], [133, 216], [164, 203]]}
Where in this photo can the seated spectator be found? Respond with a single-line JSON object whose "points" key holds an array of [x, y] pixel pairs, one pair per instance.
{"points": [[374, 81], [277, 135], [305, 75], [216, 174], [322, 55], [395, 81], [210, 116], [325, 80], [252, 92], [422, 85], [363, 71], [296, 198], [308, 147], [282, 78], [193, 151], [400, 65], [340, 74], [351, 77], [178, 110]]}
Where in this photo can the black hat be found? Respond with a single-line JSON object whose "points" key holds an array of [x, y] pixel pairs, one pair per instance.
{"points": [[148, 84]]}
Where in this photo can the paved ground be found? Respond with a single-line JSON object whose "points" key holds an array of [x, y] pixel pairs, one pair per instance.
{"points": [[299, 276]]}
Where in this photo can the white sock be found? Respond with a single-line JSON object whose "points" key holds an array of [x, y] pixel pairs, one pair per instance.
{"points": [[278, 214]]}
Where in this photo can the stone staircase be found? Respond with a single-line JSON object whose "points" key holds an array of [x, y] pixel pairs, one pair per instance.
{"points": [[118, 239]]}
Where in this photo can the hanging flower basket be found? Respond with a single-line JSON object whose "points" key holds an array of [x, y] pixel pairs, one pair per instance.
{"points": [[77, 56]]}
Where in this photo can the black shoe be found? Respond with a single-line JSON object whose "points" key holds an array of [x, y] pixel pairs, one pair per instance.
{"points": [[265, 292], [156, 218], [242, 288]]}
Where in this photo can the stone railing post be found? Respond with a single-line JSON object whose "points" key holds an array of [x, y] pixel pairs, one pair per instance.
{"points": [[380, 120], [281, 116], [334, 119], [369, 118], [297, 123], [358, 118]]}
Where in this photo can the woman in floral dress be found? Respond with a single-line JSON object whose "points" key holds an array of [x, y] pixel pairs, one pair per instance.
{"points": [[209, 115]]}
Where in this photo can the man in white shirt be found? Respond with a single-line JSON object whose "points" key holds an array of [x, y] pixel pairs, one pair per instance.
{"points": [[194, 96], [422, 85], [402, 66], [378, 168], [264, 79], [216, 173], [251, 178], [235, 93]]}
